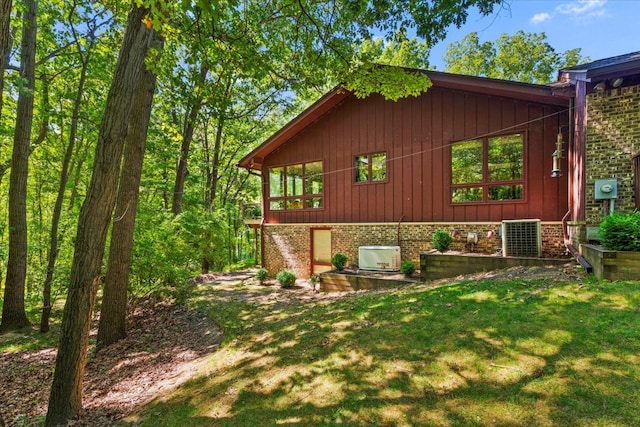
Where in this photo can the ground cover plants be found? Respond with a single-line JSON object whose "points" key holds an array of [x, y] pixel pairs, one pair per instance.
{"points": [[522, 351]]}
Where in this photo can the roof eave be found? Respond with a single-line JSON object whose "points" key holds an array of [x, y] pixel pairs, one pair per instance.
{"points": [[254, 159]]}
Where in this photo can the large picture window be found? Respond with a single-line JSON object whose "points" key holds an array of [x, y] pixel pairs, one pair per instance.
{"points": [[296, 187], [371, 167], [488, 169]]}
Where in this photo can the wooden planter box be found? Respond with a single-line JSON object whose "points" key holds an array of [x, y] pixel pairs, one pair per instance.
{"points": [[439, 266], [612, 265], [332, 281]]}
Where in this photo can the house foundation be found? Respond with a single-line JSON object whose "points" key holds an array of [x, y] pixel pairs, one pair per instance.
{"points": [[288, 246]]}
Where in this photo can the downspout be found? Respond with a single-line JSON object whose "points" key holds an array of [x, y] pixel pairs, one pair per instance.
{"points": [[565, 234], [398, 238]]}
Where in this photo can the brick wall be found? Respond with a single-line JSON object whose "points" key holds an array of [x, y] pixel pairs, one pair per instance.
{"points": [[287, 246], [613, 137]]}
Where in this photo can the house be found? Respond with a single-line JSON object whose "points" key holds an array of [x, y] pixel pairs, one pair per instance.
{"points": [[467, 156], [606, 141]]}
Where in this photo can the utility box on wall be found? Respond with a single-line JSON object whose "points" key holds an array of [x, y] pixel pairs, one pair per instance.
{"points": [[606, 189]]}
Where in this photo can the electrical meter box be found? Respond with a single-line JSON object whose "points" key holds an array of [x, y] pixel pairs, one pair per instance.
{"points": [[606, 189]]}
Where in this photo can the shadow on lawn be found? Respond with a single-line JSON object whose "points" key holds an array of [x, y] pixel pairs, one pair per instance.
{"points": [[473, 353]]}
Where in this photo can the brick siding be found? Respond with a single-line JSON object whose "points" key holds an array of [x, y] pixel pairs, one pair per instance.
{"points": [[613, 138], [287, 246]]}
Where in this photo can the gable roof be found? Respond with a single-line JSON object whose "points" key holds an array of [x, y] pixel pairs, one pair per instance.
{"points": [[482, 85], [608, 68]]}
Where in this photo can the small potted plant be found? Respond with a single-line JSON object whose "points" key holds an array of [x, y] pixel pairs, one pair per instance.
{"points": [[339, 261], [261, 275], [286, 278], [408, 268], [442, 241], [314, 279]]}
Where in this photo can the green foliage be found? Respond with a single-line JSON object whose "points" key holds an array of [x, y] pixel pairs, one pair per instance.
{"points": [[442, 240], [621, 231], [524, 57], [391, 82], [286, 278], [408, 268], [262, 275], [339, 261]]}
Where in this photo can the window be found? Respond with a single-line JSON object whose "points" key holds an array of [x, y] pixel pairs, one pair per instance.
{"points": [[371, 167], [295, 187], [488, 169]]}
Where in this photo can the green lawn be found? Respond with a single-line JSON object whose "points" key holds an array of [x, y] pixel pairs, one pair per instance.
{"points": [[499, 353]]}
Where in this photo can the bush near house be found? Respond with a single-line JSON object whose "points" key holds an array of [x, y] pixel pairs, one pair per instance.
{"points": [[621, 231], [442, 241], [261, 275], [339, 261], [286, 278], [407, 268]]}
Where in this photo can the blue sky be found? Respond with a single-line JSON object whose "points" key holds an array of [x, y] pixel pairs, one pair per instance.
{"points": [[601, 28]]}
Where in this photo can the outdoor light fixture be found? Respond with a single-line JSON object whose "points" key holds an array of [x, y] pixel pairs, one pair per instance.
{"points": [[557, 155], [617, 82], [600, 86]]}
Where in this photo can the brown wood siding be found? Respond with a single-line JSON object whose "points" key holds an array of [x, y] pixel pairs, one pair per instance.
{"points": [[416, 134]]}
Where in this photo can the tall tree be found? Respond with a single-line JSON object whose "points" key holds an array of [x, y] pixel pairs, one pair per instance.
{"points": [[13, 310], [523, 57], [111, 326], [66, 391], [188, 127], [84, 45], [5, 27]]}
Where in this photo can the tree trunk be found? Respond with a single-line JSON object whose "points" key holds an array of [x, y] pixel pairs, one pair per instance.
{"points": [[57, 209], [65, 399], [187, 137], [111, 327], [13, 312], [5, 27], [215, 165]]}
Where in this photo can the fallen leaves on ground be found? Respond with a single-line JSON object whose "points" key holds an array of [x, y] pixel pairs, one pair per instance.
{"points": [[165, 346]]}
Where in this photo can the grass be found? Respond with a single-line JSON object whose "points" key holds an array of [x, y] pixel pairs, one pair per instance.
{"points": [[515, 353]]}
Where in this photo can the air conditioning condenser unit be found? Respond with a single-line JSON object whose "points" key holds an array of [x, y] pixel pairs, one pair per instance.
{"points": [[521, 238], [383, 258]]}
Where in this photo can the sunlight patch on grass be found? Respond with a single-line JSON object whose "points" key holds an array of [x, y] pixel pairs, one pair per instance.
{"points": [[480, 296], [616, 302], [548, 386], [488, 335], [549, 344]]}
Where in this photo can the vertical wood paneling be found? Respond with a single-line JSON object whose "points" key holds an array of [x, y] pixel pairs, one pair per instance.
{"points": [[388, 147], [438, 177], [408, 181], [416, 158], [394, 155], [337, 209], [442, 195], [426, 159], [536, 140], [416, 133]]}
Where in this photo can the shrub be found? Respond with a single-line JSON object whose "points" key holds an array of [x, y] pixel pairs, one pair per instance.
{"points": [[621, 231], [261, 275], [339, 261], [442, 240], [407, 268], [286, 278]]}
